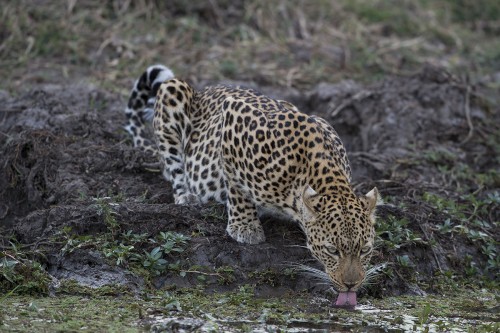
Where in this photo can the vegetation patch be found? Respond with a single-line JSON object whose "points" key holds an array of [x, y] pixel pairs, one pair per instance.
{"points": [[21, 275]]}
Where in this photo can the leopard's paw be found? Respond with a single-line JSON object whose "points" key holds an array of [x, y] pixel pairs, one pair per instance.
{"points": [[187, 199], [248, 232]]}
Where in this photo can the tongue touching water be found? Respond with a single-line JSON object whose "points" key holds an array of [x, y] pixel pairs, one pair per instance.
{"points": [[346, 299]]}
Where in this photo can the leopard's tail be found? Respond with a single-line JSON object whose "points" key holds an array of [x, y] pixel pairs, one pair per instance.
{"points": [[140, 107]]}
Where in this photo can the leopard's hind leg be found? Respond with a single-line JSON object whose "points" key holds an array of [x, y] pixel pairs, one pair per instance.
{"points": [[172, 129], [140, 107]]}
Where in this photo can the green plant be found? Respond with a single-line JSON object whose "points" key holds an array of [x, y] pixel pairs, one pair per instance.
{"points": [[171, 303], [440, 157], [404, 261], [423, 316], [461, 209], [481, 207], [122, 253], [471, 269], [448, 206], [244, 295], [7, 268], [394, 233], [105, 208], [20, 274], [491, 251], [485, 328], [132, 238], [172, 242], [124, 250], [474, 221], [446, 227], [73, 241], [154, 262]]}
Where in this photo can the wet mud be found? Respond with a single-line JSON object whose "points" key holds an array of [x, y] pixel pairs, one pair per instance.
{"points": [[63, 148]]}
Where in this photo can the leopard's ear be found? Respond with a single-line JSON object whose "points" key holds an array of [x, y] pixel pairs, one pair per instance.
{"points": [[311, 202], [370, 201]]}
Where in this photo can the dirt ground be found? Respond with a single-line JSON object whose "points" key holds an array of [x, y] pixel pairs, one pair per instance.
{"points": [[428, 141]]}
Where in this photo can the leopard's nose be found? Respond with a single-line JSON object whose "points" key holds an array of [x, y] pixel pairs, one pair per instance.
{"points": [[350, 285]]}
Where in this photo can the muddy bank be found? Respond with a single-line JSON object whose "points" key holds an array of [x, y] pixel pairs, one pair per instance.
{"points": [[69, 173]]}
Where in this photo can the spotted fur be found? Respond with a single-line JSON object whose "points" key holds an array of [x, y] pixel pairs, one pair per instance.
{"points": [[244, 149]]}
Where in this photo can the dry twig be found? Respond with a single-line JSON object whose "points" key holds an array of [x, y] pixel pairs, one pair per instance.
{"points": [[467, 115], [356, 98]]}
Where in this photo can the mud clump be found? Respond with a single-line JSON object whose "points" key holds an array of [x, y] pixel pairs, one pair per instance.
{"points": [[64, 149]]}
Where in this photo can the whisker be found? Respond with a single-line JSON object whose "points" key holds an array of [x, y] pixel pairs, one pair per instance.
{"points": [[367, 284], [324, 279], [373, 272], [299, 246], [313, 272], [377, 269]]}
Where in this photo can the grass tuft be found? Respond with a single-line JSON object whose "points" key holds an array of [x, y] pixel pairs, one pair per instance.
{"points": [[286, 43]]}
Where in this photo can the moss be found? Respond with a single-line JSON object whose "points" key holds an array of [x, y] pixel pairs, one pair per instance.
{"points": [[268, 276], [69, 314], [71, 287], [241, 310]]}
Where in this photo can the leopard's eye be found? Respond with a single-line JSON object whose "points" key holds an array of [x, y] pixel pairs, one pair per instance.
{"points": [[332, 250], [366, 249]]}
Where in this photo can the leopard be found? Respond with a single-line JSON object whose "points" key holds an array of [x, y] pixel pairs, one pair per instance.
{"points": [[239, 147]]}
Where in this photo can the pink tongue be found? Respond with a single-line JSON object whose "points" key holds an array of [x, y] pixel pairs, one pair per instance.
{"points": [[346, 298]]}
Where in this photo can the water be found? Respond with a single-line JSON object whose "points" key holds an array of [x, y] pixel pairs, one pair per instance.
{"points": [[367, 319]]}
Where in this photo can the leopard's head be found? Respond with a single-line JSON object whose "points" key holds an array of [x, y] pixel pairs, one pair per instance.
{"points": [[340, 234]]}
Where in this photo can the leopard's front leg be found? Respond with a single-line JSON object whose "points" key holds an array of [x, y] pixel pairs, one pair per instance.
{"points": [[243, 225], [172, 128]]}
